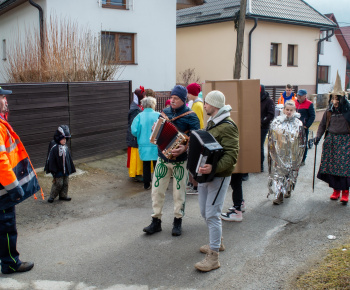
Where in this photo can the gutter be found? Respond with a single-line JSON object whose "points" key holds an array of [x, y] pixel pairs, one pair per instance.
{"points": [[318, 55], [41, 22], [250, 46]]}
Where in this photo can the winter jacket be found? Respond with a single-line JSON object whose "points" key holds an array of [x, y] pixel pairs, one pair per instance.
{"points": [[59, 161], [141, 128], [184, 124], [267, 108], [18, 180], [284, 98], [197, 107], [227, 135], [306, 111], [337, 125], [131, 140]]}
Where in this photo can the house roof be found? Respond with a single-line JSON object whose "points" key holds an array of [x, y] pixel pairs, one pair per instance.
{"points": [[346, 33], [284, 11], [6, 5]]}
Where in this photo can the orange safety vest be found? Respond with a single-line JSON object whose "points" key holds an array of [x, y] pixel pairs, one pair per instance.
{"points": [[15, 167], [281, 99]]}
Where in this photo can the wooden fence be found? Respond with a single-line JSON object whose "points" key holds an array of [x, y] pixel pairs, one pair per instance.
{"points": [[96, 113]]}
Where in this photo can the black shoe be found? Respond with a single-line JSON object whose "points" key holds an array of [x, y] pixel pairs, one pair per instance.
{"points": [[155, 226], [245, 177], [65, 198], [147, 186], [177, 227], [24, 267], [50, 200]]}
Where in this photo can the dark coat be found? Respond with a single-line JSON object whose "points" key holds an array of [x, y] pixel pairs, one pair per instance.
{"points": [[55, 164], [131, 140], [267, 108], [187, 123]]}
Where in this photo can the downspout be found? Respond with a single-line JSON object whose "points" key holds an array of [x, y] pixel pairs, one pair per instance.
{"points": [[318, 55], [250, 46], [41, 22]]}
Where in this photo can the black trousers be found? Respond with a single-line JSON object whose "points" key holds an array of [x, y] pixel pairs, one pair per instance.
{"points": [[147, 177], [8, 241], [237, 192]]}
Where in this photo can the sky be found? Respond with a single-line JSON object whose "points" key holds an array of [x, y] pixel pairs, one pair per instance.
{"points": [[340, 9]]}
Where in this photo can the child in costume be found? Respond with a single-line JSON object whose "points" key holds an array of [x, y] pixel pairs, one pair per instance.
{"points": [[60, 164]]}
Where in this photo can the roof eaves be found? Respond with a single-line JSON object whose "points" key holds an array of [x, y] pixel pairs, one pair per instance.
{"points": [[10, 4], [211, 21], [294, 22]]}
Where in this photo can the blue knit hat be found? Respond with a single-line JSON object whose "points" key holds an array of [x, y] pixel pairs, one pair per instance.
{"points": [[302, 93], [180, 91]]}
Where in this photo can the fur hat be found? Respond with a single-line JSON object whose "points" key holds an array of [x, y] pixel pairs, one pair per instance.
{"points": [[215, 99], [194, 89], [180, 91]]}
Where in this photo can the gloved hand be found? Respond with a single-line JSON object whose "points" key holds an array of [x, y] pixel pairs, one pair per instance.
{"points": [[16, 193], [316, 140]]}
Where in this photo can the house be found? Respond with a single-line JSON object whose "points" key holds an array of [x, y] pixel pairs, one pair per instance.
{"points": [[280, 41], [143, 32], [346, 34], [334, 56]]}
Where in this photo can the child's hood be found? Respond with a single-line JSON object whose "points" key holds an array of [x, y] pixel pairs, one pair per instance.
{"points": [[62, 132]]}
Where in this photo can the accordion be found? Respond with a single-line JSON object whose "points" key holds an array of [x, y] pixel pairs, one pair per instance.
{"points": [[167, 137], [203, 149]]}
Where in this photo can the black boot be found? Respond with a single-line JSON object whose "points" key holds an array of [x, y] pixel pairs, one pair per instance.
{"points": [[154, 227], [177, 227]]}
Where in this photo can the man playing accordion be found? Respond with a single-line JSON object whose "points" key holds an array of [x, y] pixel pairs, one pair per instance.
{"points": [[185, 121], [212, 194]]}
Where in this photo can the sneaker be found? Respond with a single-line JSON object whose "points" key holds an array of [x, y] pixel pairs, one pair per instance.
{"points": [[302, 163], [189, 186], [232, 208], [192, 191], [147, 186], [288, 194], [232, 216]]}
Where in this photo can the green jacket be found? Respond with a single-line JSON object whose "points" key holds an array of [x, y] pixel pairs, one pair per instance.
{"points": [[227, 135]]}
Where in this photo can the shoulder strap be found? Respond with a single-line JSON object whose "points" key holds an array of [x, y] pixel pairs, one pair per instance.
{"points": [[182, 115], [224, 121]]}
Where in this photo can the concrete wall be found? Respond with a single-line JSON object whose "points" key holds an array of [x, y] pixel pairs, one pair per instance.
{"points": [[333, 57], [210, 49], [153, 22]]}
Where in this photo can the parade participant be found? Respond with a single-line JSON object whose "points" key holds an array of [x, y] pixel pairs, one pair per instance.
{"points": [[267, 113], [134, 162], [141, 128], [212, 194], [18, 181], [287, 95], [335, 161], [197, 107], [286, 145], [60, 164], [185, 120], [307, 115]]}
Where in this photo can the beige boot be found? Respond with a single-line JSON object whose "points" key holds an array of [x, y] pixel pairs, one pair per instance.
{"points": [[205, 249], [210, 262]]}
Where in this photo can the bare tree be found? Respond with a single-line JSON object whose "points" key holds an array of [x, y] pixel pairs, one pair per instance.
{"points": [[69, 53], [188, 76]]}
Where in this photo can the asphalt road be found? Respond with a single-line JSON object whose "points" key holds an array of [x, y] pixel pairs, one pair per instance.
{"points": [[266, 250]]}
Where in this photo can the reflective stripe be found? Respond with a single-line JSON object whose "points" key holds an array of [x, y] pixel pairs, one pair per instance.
{"points": [[11, 185], [21, 182], [2, 148], [12, 146]]}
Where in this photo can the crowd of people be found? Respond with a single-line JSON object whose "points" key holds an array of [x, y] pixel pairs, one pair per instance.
{"points": [[287, 151]]}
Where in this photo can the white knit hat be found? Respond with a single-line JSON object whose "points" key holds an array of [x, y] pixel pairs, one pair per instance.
{"points": [[216, 99]]}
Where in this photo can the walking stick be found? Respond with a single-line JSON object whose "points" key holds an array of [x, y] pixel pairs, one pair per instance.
{"points": [[313, 178]]}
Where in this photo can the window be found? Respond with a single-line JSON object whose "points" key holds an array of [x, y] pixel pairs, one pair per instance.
{"points": [[323, 72], [275, 54], [328, 33], [118, 47], [4, 49], [292, 55], [117, 4]]}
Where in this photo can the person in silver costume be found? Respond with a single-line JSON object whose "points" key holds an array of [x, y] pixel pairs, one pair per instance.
{"points": [[286, 146]]}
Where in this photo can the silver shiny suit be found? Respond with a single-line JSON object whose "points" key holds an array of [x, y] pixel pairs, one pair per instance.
{"points": [[286, 146]]}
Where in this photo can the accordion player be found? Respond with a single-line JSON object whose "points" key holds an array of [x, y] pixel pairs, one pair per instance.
{"points": [[203, 149], [167, 137]]}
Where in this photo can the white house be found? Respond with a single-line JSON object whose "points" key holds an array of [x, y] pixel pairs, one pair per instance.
{"points": [[144, 31], [333, 57]]}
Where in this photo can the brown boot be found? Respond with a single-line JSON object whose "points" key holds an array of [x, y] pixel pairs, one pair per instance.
{"points": [[278, 199], [205, 249], [210, 262]]}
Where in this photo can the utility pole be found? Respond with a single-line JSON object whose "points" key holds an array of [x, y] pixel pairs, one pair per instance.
{"points": [[240, 40]]}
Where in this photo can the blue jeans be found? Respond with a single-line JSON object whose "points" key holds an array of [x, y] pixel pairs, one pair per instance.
{"points": [[8, 241]]}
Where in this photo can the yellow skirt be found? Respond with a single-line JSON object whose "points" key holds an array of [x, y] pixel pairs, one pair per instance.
{"points": [[135, 164]]}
